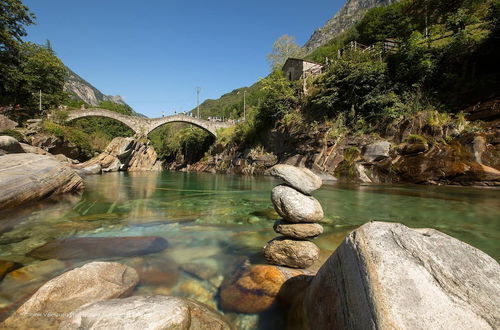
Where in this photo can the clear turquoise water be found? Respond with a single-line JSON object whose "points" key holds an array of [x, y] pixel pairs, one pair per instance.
{"points": [[220, 219]]}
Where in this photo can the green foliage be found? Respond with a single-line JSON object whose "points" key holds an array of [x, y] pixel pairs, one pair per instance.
{"points": [[14, 16], [15, 134], [173, 140], [77, 137], [356, 85], [384, 22], [32, 69], [277, 97], [59, 116]]}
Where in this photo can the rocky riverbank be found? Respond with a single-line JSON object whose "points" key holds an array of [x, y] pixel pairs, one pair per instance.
{"points": [[414, 150]]}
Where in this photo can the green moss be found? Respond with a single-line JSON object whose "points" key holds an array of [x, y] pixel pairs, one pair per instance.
{"points": [[416, 139]]}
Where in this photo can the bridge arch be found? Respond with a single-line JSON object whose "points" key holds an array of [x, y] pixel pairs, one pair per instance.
{"points": [[143, 126], [128, 121]]}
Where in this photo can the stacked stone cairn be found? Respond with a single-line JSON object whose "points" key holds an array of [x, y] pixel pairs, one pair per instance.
{"points": [[300, 212]]}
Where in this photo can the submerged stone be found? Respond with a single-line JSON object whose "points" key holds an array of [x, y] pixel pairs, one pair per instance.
{"points": [[254, 288], [156, 271], [99, 247]]}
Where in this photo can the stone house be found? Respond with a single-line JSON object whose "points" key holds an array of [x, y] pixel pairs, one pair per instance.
{"points": [[296, 68]]}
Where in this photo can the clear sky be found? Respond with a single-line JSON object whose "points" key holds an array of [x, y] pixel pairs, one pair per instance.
{"points": [[154, 53]]}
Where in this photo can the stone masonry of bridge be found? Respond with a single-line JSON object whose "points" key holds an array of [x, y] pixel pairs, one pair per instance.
{"points": [[143, 126]]}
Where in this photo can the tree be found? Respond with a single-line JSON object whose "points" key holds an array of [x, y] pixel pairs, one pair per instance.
{"points": [[37, 69], [283, 48], [14, 16]]}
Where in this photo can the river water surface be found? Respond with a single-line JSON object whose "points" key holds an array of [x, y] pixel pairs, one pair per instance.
{"points": [[213, 222]]}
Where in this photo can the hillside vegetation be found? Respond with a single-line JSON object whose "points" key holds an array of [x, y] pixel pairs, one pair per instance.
{"points": [[446, 59]]}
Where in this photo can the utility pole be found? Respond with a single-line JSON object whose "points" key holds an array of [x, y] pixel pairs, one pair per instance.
{"points": [[40, 101], [198, 89], [244, 105]]}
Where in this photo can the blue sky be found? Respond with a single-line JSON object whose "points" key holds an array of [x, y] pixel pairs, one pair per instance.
{"points": [[155, 53]]}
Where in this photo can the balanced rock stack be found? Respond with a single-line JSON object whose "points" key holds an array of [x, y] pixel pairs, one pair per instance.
{"points": [[301, 213]]}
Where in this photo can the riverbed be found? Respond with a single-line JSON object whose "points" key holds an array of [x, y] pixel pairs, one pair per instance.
{"points": [[212, 223]]}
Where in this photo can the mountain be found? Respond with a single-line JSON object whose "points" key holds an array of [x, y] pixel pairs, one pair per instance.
{"points": [[82, 90], [350, 13]]}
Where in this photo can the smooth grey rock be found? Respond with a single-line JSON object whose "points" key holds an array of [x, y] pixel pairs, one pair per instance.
{"points": [[376, 151], [389, 276], [146, 312], [283, 251], [90, 283], [297, 230], [294, 206], [27, 177], [10, 145], [299, 178]]}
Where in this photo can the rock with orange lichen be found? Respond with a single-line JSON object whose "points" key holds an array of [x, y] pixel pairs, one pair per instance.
{"points": [[254, 288]]}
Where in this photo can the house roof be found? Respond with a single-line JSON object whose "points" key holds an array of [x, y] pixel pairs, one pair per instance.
{"points": [[294, 59]]}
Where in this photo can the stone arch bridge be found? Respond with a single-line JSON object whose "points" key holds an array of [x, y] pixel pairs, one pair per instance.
{"points": [[143, 126]]}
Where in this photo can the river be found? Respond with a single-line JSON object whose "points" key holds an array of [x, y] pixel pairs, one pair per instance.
{"points": [[214, 222]]}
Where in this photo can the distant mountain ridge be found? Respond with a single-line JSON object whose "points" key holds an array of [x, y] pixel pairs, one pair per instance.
{"points": [[82, 90], [350, 13]]}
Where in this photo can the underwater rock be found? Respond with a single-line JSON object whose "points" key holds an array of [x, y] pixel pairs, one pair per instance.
{"points": [[99, 247], [26, 280], [157, 271], [282, 251], [7, 266], [298, 230], [299, 178], [90, 283], [386, 275], [254, 288], [204, 268], [294, 206], [147, 312]]}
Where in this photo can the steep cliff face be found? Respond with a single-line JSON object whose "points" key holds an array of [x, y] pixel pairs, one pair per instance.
{"points": [[84, 91], [347, 16]]}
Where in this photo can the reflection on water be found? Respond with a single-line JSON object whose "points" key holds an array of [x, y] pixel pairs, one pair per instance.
{"points": [[212, 222]]}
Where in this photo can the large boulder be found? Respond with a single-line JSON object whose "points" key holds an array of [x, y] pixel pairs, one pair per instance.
{"points": [[99, 247], [388, 276], [10, 145], [282, 251], [146, 312], [57, 298], [29, 177], [299, 178], [298, 230], [294, 206]]}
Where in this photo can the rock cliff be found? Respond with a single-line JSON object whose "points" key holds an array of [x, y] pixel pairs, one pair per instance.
{"points": [[84, 91], [346, 17]]}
